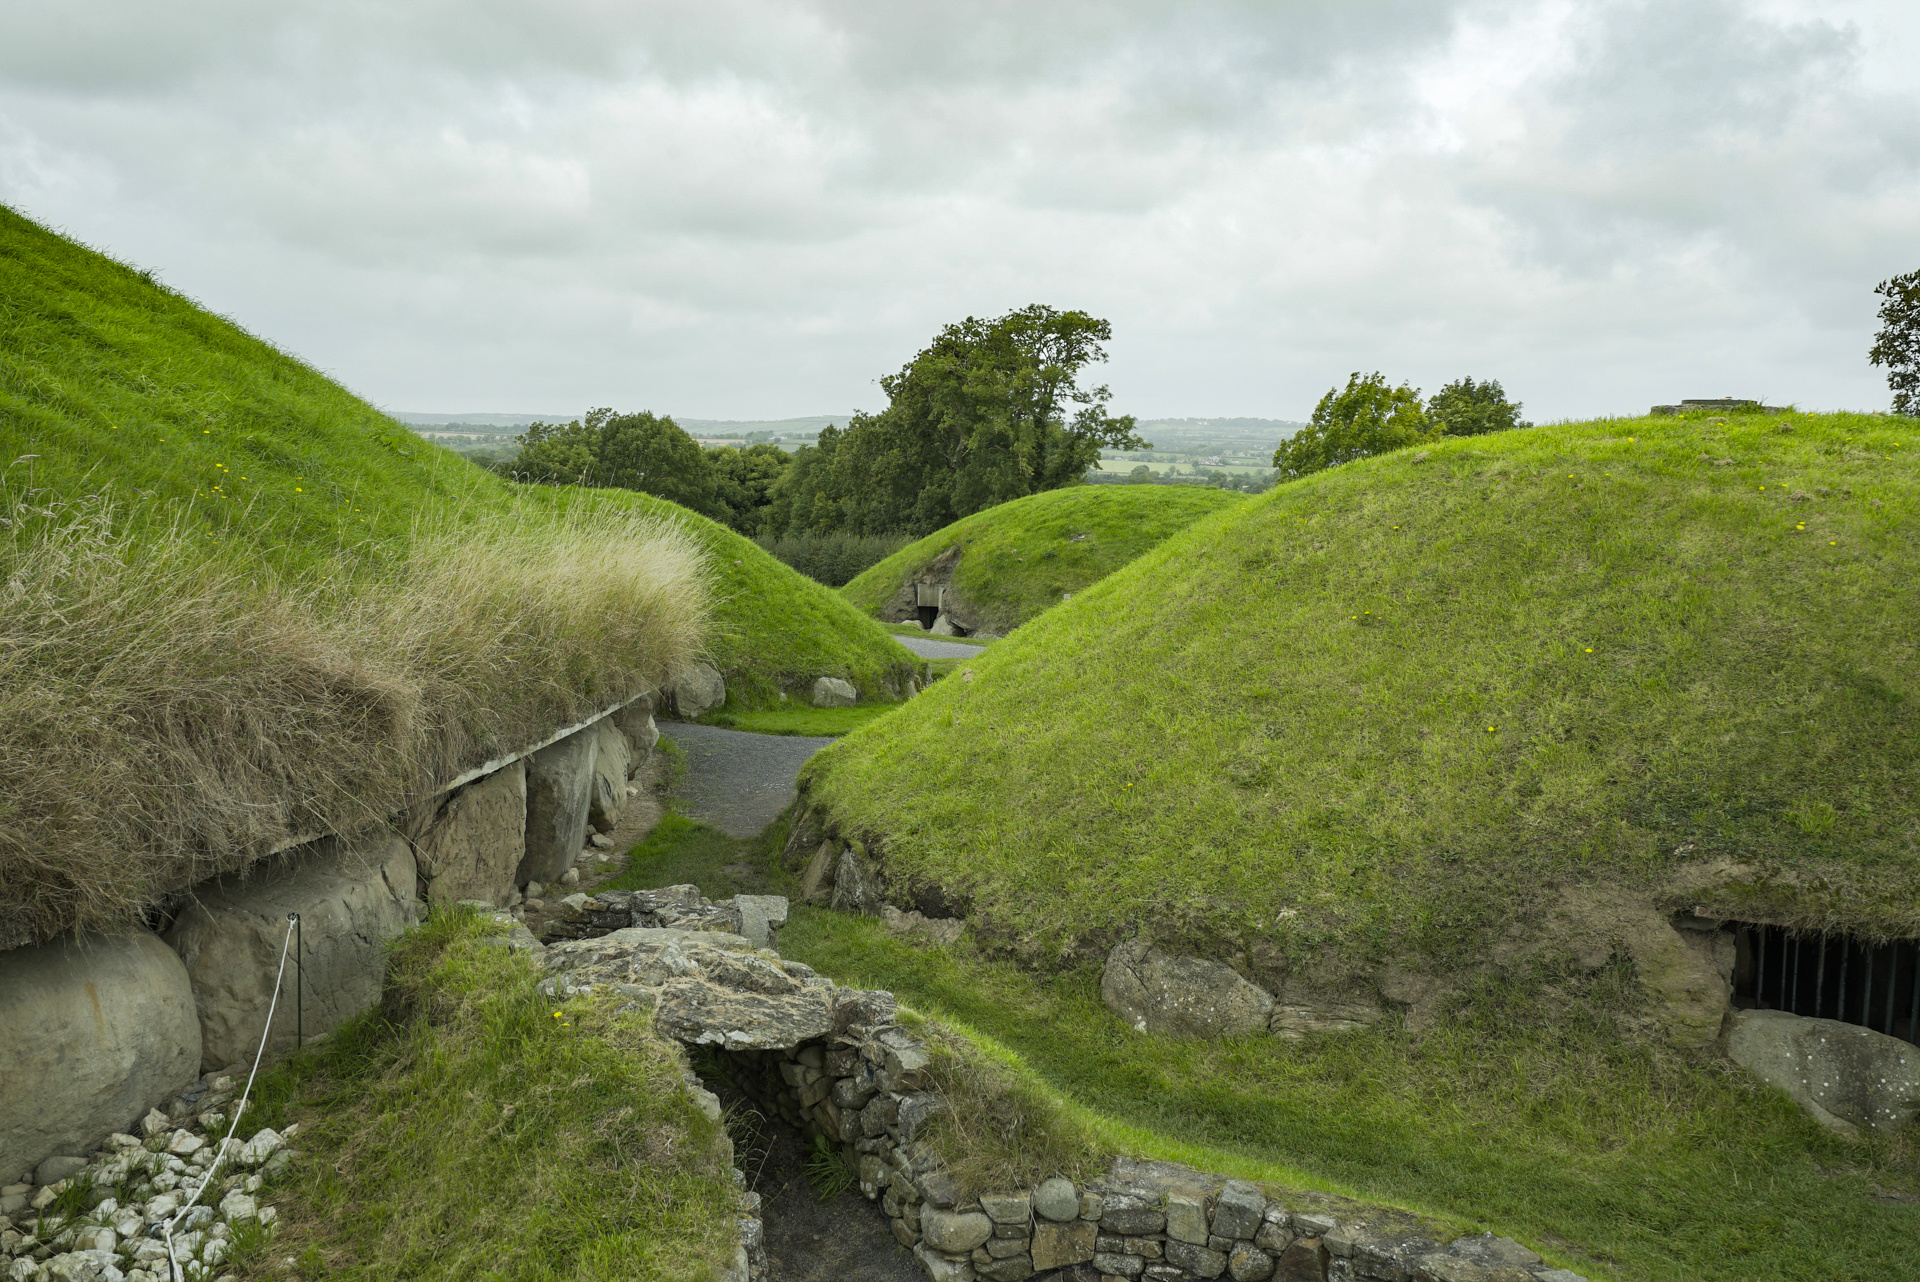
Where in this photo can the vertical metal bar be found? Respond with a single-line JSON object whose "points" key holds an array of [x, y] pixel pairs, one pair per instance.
{"points": [[1846, 951], [299, 983], [1893, 982], [1866, 989], [1793, 998], [1913, 1013], [1760, 968], [1820, 980]]}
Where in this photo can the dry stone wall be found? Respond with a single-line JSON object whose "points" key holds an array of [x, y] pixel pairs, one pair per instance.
{"points": [[837, 1063]]}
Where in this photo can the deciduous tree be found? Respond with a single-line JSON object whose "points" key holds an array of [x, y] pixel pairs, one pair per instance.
{"points": [[644, 451], [1365, 418], [1897, 345], [1467, 408], [991, 410]]}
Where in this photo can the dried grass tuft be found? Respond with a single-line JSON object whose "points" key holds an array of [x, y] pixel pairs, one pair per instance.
{"points": [[168, 712]]}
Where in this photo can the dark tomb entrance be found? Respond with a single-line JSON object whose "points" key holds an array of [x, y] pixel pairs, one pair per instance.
{"points": [[1830, 976], [816, 1225]]}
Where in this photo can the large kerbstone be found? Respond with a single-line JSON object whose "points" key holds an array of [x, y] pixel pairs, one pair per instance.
{"points": [[93, 1033], [696, 692], [1180, 996], [352, 897], [477, 841], [560, 781], [636, 722], [1842, 1074], [612, 764]]}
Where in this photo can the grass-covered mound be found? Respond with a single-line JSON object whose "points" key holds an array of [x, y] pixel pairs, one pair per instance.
{"points": [[1022, 557], [1388, 706], [470, 1127], [241, 605]]}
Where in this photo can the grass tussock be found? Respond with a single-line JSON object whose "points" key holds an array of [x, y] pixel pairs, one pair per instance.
{"points": [[173, 710], [832, 558], [1001, 1125], [475, 1129]]}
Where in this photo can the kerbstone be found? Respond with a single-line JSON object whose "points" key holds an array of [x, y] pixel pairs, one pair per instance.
{"points": [[352, 896], [1160, 992], [1843, 1075], [98, 1030], [612, 764], [560, 783], [696, 691], [833, 692], [477, 841]]}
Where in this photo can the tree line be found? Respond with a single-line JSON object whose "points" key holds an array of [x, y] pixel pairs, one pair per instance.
{"points": [[991, 410]]}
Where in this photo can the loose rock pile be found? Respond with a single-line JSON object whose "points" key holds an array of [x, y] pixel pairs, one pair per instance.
{"points": [[101, 1218]]}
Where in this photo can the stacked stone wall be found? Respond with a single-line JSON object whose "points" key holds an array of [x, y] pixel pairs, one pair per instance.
{"points": [[837, 1063]]}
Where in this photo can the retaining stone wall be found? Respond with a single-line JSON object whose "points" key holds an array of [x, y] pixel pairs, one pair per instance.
{"points": [[835, 1063]]}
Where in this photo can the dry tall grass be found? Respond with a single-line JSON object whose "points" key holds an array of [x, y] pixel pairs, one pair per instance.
{"points": [[168, 713]]}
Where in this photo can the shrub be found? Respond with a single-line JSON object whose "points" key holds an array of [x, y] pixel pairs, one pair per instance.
{"points": [[834, 559]]}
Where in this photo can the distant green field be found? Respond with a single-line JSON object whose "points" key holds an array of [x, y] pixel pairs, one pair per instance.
{"points": [[1022, 557]]}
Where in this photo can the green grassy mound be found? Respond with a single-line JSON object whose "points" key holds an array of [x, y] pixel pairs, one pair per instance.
{"points": [[113, 380], [1391, 707], [467, 1092], [1618, 1158], [243, 604], [1022, 557]]}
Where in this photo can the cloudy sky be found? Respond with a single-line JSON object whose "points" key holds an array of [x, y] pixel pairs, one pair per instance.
{"points": [[754, 208]]}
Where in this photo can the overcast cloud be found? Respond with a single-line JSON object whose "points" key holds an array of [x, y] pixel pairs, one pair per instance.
{"points": [[754, 208]]}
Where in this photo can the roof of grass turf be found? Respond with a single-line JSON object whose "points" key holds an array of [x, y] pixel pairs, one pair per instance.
{"points": [[113, 380], [1021, 557], [1391, 703]]}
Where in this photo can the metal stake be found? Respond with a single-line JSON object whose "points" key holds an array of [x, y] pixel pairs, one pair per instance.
{"points": [[299, 984]]}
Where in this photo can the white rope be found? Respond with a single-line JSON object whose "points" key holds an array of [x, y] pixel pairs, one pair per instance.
{"points": [[239, 1110]]}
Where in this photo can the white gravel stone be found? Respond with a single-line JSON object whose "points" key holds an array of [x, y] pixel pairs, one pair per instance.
{"points": [[262, 1146]]}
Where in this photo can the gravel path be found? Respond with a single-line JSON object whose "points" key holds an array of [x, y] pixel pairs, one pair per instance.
{"points": [[736, 781], [934, 648]]}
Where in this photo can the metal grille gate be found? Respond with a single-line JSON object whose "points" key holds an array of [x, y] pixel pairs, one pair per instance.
{"points": [[1831, 977]]}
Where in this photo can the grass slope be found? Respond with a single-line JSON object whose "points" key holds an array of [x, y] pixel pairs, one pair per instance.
{"points": [[113, 380], [1617, 1158], [242, 604], [467, 1092], [1022, 556], [1387, 705]]}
